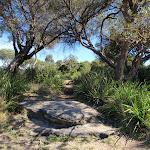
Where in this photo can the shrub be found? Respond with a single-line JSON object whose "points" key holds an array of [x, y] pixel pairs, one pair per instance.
{"points": [[32, 74], [76, 75], [85, 67], [92, 86], [43, 90], [129, 104], [144, 74], [12, 87], [47, 75]]}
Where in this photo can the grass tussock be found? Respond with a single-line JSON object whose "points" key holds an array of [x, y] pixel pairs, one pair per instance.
{"points": [[92, 86], [12, 87], [129, 104]]}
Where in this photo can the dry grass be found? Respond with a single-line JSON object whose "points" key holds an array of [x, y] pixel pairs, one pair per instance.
{"points": [[41, 91]]}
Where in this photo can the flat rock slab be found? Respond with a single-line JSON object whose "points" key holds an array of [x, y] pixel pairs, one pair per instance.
{"points": [[63, 113], [71, 118], [99, 130]]}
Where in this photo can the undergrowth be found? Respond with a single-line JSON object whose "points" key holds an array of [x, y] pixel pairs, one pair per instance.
{"points": [[12, 87], [46, 77], [127, 104], [92, 86]]}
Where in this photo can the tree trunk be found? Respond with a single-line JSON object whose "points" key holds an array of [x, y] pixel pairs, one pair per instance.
{"points": [[16, 62], [119, 71]]}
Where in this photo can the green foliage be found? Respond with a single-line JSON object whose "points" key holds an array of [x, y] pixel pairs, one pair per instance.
{"points": [[63, 138], [144, 74], [7, 55], [97, 64], [49, 59], [76, 71], [46, 75], [76, 75], [85, 67], [92, 86], [64, 68], [128, 104], [59, 63], [31, 74], [66, 76], [71, 62], [112, 50], [11, 88]]}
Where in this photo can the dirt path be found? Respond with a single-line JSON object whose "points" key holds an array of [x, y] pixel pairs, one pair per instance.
{"points": [[17, 136]]}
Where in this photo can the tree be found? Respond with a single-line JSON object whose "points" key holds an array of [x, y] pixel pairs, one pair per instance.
{"points": [[6, 55], [84, 66], [33, 25], [59, 63], [64, 69], [130, 38], [49, 59], [88, 18], [3, 5], [72, 62]]}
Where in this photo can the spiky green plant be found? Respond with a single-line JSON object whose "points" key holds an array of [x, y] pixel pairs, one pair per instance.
{"points": [[11, 88], [129, 104], [92, 86]]}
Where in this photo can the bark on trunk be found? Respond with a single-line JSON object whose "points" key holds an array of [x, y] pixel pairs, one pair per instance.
{"points": [[15, 63], [119, 71]]}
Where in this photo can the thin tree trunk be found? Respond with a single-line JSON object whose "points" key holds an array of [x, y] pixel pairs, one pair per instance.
{"points": [[119, 71]]}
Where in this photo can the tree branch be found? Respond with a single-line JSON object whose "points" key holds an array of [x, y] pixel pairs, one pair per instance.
{"points": [[43, 46], [143, 60], [107, 17], [4, 6], [91, 47]]}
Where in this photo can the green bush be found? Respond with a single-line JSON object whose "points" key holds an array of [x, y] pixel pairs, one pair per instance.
{"points": [[11, 88], [32, 74], [85, 67], [46, 75], [76, 75], [92, 86], [144, 74], [66, 76], [128, 104]]}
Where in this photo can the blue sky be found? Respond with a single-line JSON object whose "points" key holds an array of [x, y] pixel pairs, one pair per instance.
{"points": [[59, 52]]}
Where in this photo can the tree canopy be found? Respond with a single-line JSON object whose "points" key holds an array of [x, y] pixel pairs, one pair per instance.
{"points": [[121, 28], [125, 24], [49, 59], [6, 55], [33, 25]]}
